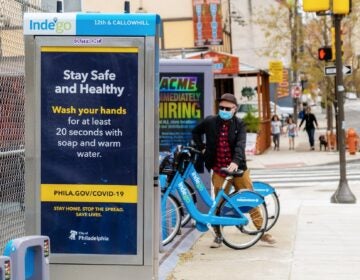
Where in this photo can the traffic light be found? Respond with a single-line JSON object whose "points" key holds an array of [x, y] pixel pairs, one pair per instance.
{"points": [[316, 5], [325, 53], [333, 48], [341, 7]]}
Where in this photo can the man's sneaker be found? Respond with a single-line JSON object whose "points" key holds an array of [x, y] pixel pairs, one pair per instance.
{"points": [[268, 238], [216, 243]]}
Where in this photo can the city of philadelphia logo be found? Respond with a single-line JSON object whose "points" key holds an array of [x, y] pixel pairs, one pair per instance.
{"points": [[73, 234], [85, 236]]}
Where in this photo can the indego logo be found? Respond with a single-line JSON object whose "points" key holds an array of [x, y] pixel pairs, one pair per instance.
{"points": [[53, 25]]}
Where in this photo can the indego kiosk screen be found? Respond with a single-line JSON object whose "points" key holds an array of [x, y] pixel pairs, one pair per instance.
{"points": [[89, 191]]}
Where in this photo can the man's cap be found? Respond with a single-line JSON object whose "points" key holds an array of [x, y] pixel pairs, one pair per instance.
{"points": [[228, 97]]}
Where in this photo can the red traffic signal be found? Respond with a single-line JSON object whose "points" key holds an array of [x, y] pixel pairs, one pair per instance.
{"points": [[325, 53]]}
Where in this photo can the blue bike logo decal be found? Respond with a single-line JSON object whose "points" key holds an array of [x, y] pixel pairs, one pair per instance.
{"points": [[184, 192], [197, 181]]}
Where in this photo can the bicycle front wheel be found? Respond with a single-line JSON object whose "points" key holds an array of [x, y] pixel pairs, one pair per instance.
{"points": [[273, 208], [243, 236], [170, 219]]}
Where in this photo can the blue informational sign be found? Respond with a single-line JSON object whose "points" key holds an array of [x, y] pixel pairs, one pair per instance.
{"points": [[110, 24], [91, 24], [181, 107], [89, 143]]}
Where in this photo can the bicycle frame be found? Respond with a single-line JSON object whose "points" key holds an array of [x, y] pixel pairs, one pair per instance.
{"points": [[203, 221], [237, 204], [261, 188]]}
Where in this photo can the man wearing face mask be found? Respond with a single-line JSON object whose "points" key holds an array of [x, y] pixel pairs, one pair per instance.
{"points": [[225, 147]]}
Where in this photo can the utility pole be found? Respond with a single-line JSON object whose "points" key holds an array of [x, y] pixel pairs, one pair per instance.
{"points": [[343, 193], [295, 24], [329, 97], [337, 9]]}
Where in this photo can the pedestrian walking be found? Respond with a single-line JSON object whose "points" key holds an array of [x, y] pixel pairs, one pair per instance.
{"points": [[291, 132], [276, 131], [310, 123], [225, 136], [301, 114]]}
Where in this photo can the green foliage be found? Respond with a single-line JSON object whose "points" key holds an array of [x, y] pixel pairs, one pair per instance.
{"points": [[323, 104], [273, 21], [248, 92], [252, 123]]}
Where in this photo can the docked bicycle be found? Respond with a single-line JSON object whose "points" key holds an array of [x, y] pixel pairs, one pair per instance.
{"points": [[230, 212]]}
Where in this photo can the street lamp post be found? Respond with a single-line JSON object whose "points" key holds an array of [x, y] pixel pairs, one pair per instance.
{"points": [[343, 193]]}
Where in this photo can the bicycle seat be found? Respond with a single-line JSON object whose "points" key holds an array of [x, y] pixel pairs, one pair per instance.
{"points": [[236, 173]]}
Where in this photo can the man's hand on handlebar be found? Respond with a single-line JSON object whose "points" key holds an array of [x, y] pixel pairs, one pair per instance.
{"points": [[230, 171], [232, 167]]}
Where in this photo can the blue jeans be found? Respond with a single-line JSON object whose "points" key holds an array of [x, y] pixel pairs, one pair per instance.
{"points": [[311, 133]]}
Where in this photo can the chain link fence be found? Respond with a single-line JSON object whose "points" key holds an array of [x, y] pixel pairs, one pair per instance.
{"points": [[12, 127]]}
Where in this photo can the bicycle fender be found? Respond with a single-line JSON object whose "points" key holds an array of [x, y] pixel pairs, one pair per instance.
{"points": [[245, 199], [263, 188]]}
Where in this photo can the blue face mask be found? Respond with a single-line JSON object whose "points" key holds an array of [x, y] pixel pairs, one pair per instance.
{"points": [[225, 115]]}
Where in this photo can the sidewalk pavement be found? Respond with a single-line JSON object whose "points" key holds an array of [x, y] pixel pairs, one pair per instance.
{"points": [[316, 239], [302, 155]]}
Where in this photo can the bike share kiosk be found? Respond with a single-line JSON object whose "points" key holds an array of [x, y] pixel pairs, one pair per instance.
{"points": [[29, 257], [91, 142], [186, 97], [5, 268]]}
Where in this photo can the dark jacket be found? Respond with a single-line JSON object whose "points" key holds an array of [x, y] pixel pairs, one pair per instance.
{"points": [[210, 126], [309, 119]]}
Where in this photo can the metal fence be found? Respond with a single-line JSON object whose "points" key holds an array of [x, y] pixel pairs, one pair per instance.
{"points": [[12, 127]]}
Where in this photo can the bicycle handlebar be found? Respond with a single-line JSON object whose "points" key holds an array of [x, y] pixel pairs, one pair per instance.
{"points": [[236, 173], [192, 149]]}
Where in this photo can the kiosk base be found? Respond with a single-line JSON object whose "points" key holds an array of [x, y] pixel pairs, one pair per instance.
{"points": [[96, 272]]}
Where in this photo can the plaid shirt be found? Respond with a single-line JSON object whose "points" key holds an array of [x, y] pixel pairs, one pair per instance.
{"points": [[223, 151]]}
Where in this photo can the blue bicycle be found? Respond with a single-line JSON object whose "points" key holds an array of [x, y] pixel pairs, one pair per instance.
{"points": [[167, 172], [233, 213]]}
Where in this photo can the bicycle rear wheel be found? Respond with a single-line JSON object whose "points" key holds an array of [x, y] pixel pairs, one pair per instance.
{"points": [[170, 219], [242, 236], [273, 208]]}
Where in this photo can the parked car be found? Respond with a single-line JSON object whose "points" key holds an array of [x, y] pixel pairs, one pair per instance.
{"points": [[282, 112], [351, 95], [247, 107]]}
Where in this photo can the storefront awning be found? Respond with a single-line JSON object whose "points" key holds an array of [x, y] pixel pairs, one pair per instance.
{"points": [[223, 63]]}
